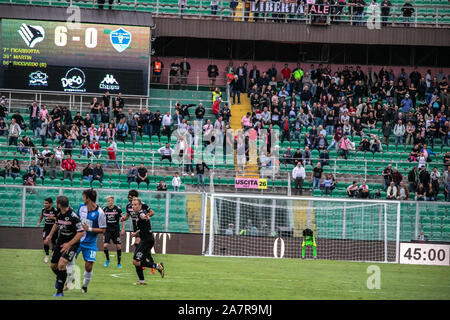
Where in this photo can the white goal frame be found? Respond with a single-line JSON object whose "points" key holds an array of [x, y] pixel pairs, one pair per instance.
{"points": [[208, 239]]}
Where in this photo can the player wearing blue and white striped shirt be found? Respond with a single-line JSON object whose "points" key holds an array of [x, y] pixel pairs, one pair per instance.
{"points": [[94, 222]]}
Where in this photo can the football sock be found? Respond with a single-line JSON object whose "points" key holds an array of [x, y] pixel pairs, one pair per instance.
{"points": [[46, 249], [61, 278], [106, 254], [87, 278], [314, 251], [70, 267], [140, 273], [303, 251], [119, 255], [149, 264]]}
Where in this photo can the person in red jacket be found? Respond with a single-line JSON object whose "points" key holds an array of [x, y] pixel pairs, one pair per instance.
{"points": [[216, 107], [68, 166], [95, 148], [112, 154]]}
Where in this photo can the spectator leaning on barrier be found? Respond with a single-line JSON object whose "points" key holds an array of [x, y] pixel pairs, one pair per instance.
{"points": [[408, 11]]}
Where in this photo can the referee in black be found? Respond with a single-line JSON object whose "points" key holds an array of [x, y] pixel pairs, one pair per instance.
{"points": [[143, 256], [70, 232], [48, 213]]}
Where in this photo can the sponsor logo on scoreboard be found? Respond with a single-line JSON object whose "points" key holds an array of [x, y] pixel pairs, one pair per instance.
{"points": [[109, 83], [74, 81], [120, 39], [32, 35], [38, 78]]}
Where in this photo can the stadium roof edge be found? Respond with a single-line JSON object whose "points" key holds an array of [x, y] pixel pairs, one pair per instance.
{"points": [[130, 18]]}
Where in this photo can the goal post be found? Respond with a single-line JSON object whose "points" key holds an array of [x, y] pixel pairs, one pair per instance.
{"points": [[241, 225]]}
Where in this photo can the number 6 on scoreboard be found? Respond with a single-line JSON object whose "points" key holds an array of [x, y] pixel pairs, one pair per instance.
{"points": [[61, 36]]}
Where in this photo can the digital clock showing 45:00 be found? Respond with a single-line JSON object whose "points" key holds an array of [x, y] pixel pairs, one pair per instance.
{"points": [[427, 254]]}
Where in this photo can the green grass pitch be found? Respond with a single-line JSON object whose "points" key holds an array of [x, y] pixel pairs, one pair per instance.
{"points": [[24, 275]]}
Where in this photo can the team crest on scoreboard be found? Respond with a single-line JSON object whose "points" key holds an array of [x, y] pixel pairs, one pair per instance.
{"points": [[31, 34], [120, 39]]}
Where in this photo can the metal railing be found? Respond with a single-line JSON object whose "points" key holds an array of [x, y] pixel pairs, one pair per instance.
{"points": [[174, 215], [427, 14]]}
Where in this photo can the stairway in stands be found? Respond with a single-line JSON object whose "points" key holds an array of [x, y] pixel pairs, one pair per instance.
{"points": [[300, 215], [193, 210], [237, 112]]}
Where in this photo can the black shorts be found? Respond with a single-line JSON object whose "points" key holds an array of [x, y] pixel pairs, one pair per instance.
{"points": [[112, 235], [56, 255], [143, 249], [46, 232]]}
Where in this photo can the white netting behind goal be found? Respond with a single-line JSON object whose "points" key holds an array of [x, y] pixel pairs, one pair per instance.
{"points": [[272, 227]]}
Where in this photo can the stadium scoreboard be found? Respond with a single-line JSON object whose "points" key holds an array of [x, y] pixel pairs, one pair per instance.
{"points": [[56, 56]]}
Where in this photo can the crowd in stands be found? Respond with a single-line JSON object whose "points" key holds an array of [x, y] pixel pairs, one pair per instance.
{"points": [[306, 9], [345, 104]]}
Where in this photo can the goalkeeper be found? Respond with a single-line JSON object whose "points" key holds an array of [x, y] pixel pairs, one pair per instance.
{"points": [[309, 240]]}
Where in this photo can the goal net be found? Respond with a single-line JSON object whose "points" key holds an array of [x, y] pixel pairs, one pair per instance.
{"points": [[256, 226]]}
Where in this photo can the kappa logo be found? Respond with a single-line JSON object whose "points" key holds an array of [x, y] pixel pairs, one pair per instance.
{"points": [[120, 39], [109, 83], [31, 34]]}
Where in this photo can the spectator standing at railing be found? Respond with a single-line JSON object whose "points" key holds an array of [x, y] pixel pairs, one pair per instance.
{"points": [[156, 124], [182, 4], [299, 175], [34, 117], [174, 73], [385, 11], [408, 11], [214, 7], [122, 130], [185, 68], [95, 108], [213, 72], [157, 66]]}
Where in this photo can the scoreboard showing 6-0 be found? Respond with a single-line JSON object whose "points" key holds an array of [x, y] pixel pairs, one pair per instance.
{"points": [[56, 56]]}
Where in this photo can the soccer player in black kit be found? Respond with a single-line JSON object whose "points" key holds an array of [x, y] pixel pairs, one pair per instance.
{"points": [[130, 213], [49, 216], [142, 255], [113, 217], [70, 232]]}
